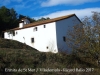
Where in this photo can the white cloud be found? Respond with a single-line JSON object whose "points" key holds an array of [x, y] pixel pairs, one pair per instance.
{"points": [[67, 2], [81, 13]]}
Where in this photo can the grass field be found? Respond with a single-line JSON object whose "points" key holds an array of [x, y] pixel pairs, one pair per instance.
{"points": [[19, 59]]}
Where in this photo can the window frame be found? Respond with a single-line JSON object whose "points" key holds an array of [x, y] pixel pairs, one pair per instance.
{"points": [[16, 33], [35, 29], [64, 38], [32, 40], [44, 26]]}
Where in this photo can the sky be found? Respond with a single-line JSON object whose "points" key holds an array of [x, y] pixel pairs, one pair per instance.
{"points": [[53, 8]]}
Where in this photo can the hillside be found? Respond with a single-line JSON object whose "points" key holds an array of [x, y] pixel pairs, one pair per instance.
{"points": [[19, 59], [12, 44]]}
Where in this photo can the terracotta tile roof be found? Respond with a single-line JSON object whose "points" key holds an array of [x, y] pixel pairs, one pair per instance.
{"points": [[44, 22]]}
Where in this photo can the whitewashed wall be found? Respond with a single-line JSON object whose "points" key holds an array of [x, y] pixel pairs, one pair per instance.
{"points": [[62, 27], [43, 37], [50, 37]]}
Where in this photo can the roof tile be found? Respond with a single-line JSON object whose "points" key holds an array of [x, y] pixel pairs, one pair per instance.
{"points": [[44, 22]]}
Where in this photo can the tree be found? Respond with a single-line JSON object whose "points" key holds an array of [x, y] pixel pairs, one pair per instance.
{"points": [[42, 19], [8, 19], [31, 19], [21, 16], [84, 39]]}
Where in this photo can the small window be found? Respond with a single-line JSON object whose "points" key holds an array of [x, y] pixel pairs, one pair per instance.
{"points": [[13, 33], [32, 40], [23, 37], [44, 26], [16, 32], [64, 38], [47, 47], [35, 29]]}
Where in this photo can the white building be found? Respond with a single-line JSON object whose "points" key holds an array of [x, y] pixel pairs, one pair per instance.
{"points": [[45, 36]]}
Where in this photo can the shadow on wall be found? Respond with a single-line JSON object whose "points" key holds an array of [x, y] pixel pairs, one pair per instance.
{"points": [[52, 47]]}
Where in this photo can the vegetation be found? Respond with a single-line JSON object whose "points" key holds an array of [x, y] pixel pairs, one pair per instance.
{"points": [[9, 19], [19, 59], [24, 60], [11, 44], [84, 39]]}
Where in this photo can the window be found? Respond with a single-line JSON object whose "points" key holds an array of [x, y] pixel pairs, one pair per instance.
{"points": [[64, 38], [23, 37], [16, 33], [35, 29], [13, 32], [44, 26], [32, 40], [47, 47]]}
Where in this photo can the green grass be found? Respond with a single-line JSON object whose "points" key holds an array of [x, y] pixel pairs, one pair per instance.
{"points": [[28, 59], [12, 44]]}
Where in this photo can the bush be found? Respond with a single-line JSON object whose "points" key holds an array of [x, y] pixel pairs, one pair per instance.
{"points": [[27, 60], [6, 43]]}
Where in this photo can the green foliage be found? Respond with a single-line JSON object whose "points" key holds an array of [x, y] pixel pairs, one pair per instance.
{"points": [[84, 39], [14, 56], [24, 59], [9, 19], [31, 19], [5, 43], [42, 19]]}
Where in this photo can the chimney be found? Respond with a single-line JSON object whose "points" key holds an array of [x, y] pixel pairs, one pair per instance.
{"points": [[21, 24]]}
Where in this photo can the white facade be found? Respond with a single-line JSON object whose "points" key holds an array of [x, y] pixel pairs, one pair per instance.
{"points": [[44, 38], [62, 27], [47, 37]]}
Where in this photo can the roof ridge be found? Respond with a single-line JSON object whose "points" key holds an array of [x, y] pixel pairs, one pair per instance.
{"points": [[45, 21]]}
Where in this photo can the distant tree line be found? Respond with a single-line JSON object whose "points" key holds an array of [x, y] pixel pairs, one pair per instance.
{"points": [[9, 19]]}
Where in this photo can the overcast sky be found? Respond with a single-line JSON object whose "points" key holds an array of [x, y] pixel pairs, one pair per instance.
{"points": [[52, 8]]}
